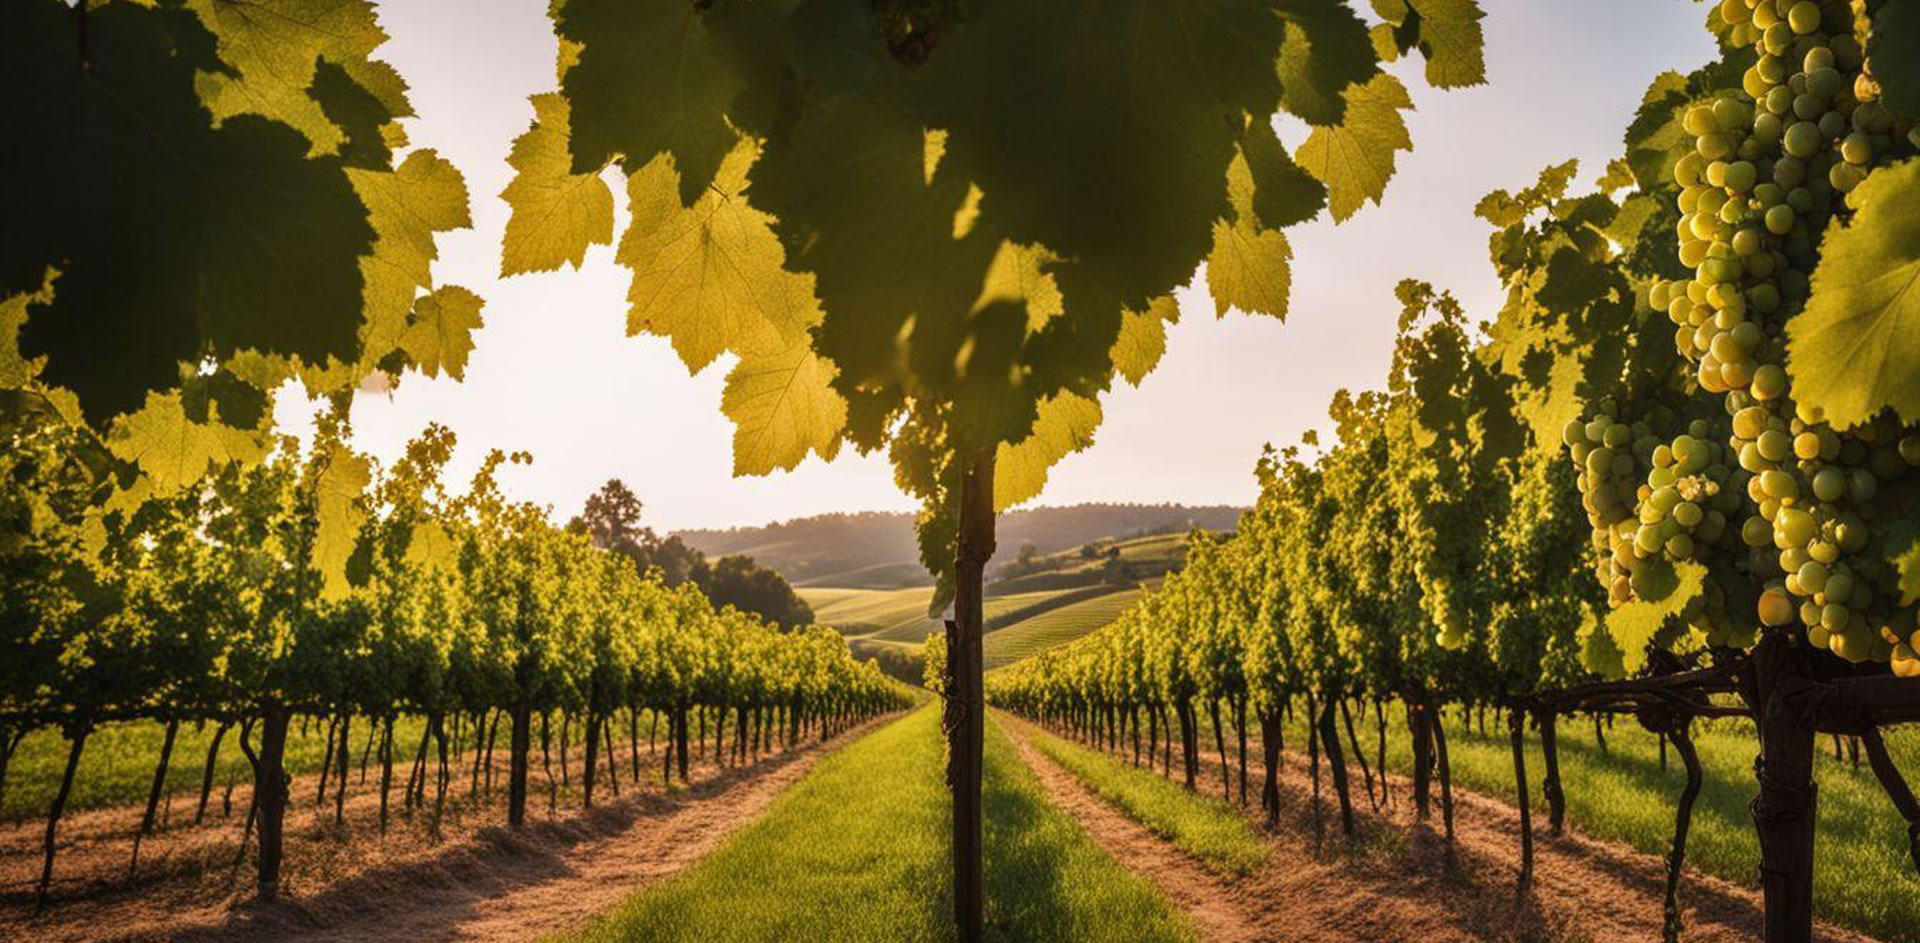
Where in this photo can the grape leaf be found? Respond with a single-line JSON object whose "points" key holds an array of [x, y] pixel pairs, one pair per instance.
{"points": [[1326, 52], [783, 405], [15, 370], [274, 46], [1100, 134], [1018, 274], [1283, 192], [339, 514], [172, 450], [1355, 158], [711, 276], [1903, 553], [1663, 593], [1893, 48], [1450, 39], [208, 240], [1065, 425], [408, 206], [557, 214], [1855, 348], [440, 334], [651, 78], [1143, 338], [1249, 269]]}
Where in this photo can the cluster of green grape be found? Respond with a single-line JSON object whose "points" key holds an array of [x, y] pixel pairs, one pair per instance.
{"points": [[1611, 457], [1766, 175]]}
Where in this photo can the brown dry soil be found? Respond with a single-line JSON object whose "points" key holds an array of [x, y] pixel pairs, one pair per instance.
{"points": [[1398, 879], [473, 880]]}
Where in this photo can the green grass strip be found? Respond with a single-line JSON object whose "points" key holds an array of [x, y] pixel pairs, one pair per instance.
{"points": [[1213, 831], [1863, 879], [858, 851]]}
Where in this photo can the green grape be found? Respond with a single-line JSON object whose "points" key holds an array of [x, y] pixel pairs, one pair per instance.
{"points": [[1829, 484], [1804, 17], [1824, 83]]}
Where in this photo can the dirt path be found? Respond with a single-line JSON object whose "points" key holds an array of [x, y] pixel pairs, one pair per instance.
{"points": [[1206, 896], [1398, 879], [480, 883]]}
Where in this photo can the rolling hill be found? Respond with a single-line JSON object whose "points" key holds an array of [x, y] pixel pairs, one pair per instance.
{"points": [[875, 550]]}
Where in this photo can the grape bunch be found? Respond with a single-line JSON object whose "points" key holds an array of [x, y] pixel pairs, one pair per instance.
{"points": [[1770, 168]]}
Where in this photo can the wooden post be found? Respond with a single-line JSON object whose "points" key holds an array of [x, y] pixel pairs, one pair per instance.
{"points": [[966, 697]]}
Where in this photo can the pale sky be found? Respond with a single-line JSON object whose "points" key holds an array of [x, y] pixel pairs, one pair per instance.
{"points": [[553, 373]]}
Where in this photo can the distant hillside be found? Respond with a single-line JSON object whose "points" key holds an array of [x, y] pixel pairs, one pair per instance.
{"points": [[873, 550]]}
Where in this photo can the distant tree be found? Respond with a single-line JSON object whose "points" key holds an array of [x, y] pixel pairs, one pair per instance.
{"points": [[749, 587], [611, 518]]}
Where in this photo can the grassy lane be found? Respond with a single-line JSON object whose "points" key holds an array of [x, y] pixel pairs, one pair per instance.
{"points": [[858, 851], [1864, 881], [1213, 831]]}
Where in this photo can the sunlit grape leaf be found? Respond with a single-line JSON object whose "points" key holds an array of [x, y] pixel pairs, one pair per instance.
{"points": [[651, 78], [1662, 591], [1598, 652], [430, 546], [1065, 425], [1355, 158], [441, 333], [557, 213], [1449, 37], [1143, 338], [1327, 49], [340, 514], [783, 405], [174, 451], [1018, 274], [1249, 269], [273, 45], [408, 206], [1903, 552], [207, 240], [711, 277], [1894, 50], [1855, 349], [16, 370]]}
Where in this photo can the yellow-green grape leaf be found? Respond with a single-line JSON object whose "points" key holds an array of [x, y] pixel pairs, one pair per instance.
{"points": [[783, 405], [557, 213], [1065, 425], [710, 277], [1663, 591], [274, 45], [1249, 269], [174, 451], [1855, 349], [1355, 157], [441, 333], [337, 506], [425, 195], [1450, 38], [1143, 338], [1017, 274], [1598, 653], [431, 547], [16, 369], [1250, 265]]}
